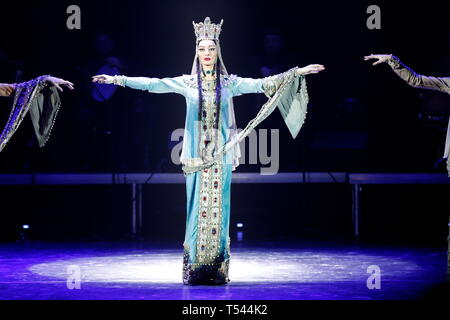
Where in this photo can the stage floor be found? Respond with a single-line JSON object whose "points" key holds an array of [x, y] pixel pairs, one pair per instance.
{"points": [[258, 271]]}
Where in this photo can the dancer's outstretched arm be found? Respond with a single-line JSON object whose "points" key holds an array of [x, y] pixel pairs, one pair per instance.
{"points": [[269, 85], [417, 81], [154, 85], [7, 89], [286, 90], [412, 78]]}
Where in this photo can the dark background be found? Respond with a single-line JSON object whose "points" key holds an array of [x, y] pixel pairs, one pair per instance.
{"points": [[361, 118]]}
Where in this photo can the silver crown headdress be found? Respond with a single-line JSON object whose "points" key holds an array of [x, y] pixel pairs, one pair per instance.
{"points": [[207, 30]]}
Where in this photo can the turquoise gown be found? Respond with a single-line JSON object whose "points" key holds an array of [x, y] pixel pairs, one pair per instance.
{"points": [[207, 242]]}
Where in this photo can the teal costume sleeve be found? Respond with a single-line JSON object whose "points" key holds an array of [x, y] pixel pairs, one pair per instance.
{"points": [[291, 101], [247, 85], [417, 80], [156, 85]]}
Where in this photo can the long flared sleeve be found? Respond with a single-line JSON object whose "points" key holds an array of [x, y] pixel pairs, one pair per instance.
{"points": [[286, 90], [415, 80], [155, 85], [43, 103]]}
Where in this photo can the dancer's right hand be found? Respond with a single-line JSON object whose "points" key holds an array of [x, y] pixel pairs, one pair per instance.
{"points": [[103, 78], [6, 89]]}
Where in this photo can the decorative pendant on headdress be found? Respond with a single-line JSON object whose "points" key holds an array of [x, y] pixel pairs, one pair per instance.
{"points": [[207, 30]]}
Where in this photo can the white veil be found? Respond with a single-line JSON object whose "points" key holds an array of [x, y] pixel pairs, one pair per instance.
{"points": [[231, 120]]}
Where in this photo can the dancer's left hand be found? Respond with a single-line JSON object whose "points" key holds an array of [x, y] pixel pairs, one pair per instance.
{"points": [[312, 68]]}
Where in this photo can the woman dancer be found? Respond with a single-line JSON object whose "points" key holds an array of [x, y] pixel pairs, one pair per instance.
{"points": [[211, 143]]}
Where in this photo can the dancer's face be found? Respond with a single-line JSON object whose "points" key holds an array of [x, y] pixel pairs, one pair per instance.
{"points": [[207, 52]]}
